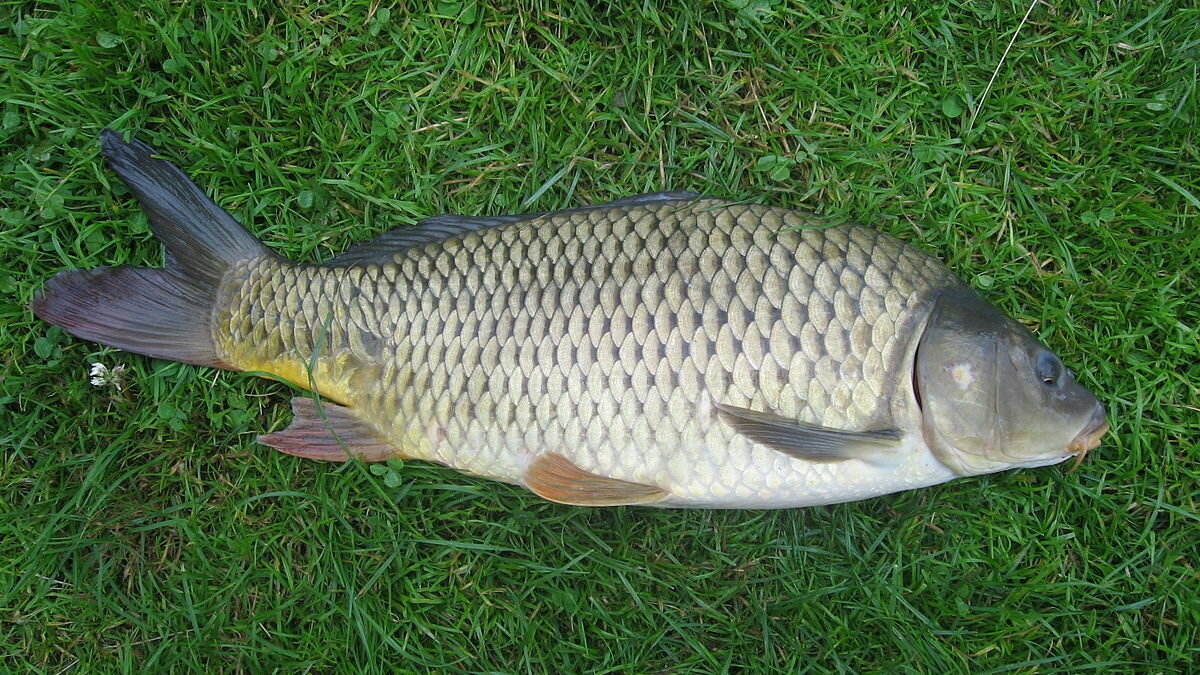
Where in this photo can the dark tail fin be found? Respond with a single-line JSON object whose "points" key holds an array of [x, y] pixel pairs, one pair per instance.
{"points": [[163, 313]]}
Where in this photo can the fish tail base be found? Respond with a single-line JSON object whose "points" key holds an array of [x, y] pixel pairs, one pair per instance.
{"points": [[165, 313]]}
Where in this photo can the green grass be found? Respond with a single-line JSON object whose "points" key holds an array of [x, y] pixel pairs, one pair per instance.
{"points": [[144, 530]]}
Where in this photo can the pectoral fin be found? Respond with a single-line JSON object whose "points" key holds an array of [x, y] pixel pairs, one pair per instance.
{"points": [[810, 442], [554, 477], [335, 437]]}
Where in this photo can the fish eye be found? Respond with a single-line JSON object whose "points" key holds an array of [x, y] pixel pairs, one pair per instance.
{"points": [[1049, 369]]}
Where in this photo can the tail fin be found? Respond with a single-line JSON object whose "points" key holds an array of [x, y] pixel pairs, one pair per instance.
{"points": [[164, 313]]}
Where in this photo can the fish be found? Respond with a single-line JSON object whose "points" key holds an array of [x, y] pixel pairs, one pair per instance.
{"points": [[667, 349]]}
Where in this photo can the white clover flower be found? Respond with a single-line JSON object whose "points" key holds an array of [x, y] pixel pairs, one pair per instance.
{"points": [[103, 376]]}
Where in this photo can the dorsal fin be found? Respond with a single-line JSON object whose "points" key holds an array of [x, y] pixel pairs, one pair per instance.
{"points": [[383, 249], [639, 200]]}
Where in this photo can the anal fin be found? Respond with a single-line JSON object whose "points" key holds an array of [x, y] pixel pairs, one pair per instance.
{"points": [[333, 438], [552, 476]]}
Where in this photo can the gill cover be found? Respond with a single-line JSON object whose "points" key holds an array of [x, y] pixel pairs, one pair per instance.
{"points": [[992, 396]]}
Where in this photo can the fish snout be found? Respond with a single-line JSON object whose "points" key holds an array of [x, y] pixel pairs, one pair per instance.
{"points": [[1089, 438]]}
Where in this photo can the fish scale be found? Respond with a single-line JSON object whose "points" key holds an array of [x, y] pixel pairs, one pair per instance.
{"points": [[611, 353], [663, 349]]}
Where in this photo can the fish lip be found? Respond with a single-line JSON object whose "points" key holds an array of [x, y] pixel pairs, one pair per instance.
{"points": [[1090, 437]]}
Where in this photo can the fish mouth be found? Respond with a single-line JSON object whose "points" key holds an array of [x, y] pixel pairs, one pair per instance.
{"points": [[1090, 437]]}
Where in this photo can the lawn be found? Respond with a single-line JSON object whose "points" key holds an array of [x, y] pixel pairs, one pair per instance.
{"points": [[144, 530]]}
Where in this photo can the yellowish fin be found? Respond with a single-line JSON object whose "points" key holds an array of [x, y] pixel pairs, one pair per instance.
{"points": [[554, 477]]}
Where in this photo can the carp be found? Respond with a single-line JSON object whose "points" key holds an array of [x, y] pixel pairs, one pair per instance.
{"points": [[667, 349]]}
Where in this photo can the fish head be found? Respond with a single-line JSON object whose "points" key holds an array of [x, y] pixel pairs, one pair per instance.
{"points": [[992, 396]]}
